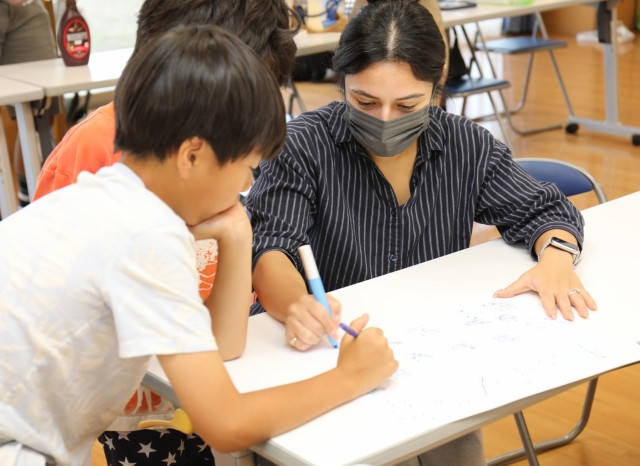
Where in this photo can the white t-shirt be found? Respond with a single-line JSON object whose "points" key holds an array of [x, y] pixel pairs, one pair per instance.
{"points": [[94, 279]]}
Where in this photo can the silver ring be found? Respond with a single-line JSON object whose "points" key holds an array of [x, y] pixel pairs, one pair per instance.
{"points": [[293, 341], [572, 292]]}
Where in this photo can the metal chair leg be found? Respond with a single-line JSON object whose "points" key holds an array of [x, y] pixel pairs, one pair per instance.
{"points": [[529, 449], [525, 86], [545, 34], [520, 105], [524, 132], [519, 454], [507, 139], [295, 95]]}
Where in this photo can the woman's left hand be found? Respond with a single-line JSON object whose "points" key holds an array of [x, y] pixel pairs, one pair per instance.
{"points": [[557, 284]]}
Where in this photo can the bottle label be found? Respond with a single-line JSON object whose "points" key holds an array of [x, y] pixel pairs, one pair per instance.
{"points": [[76, 39]]}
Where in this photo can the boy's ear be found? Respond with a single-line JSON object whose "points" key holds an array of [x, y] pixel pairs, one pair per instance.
{"points": [[191, 156]]}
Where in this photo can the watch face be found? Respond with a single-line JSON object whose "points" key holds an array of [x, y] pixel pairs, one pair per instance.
{"points": [[567, 246]]}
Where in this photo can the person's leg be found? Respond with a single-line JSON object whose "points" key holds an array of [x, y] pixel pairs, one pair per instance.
{"points": [[197, 451], [4, 26], [28, 37], [463, 451]]}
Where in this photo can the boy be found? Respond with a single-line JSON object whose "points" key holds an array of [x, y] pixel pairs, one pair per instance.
{"points": [[88, 146], [110, 265]]}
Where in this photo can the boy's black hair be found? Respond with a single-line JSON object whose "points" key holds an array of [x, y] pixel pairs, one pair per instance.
{"points": [[198, 81], [400, 31], [264, 25]]}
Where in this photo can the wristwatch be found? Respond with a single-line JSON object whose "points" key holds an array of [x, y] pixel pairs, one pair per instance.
{"points": [[563, 245]]}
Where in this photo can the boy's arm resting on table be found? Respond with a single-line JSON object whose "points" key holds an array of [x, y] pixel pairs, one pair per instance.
{"points": [[231, 296], [230, 421], [283, 293], [554, 279]]}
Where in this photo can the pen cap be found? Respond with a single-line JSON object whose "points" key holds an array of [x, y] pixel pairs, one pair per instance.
{"points": [[308, 262]]}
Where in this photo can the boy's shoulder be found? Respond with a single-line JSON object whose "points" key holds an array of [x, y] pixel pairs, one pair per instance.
{"points": [[87, 146], [117, 193], [103, 119]]}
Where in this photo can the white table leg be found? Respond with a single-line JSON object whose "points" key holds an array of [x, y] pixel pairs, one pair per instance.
{"points": [[8, 199], [611, 124], [31, 153]]}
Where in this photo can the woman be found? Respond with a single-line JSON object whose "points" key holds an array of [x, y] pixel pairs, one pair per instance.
{"points": [[385, 180]]}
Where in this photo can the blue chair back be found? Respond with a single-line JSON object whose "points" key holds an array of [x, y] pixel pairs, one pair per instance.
{"points": [[570, 179]]}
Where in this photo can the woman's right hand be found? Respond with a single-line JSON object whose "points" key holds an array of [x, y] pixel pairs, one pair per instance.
{"points": [[368, 359], [308, 322]]}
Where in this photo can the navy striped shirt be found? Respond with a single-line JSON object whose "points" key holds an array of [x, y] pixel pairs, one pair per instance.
{"points": [[324, 190]]}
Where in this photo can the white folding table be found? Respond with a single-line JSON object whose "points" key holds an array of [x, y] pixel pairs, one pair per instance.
{"points": [[361, 431], [19, 95], [54, 79]]}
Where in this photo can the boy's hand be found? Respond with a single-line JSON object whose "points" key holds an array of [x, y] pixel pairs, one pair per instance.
{"points": [[232, 225], [367, 359], [308, 321]]}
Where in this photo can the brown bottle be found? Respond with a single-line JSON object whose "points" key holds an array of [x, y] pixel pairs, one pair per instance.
{"points": [[74, 39]]}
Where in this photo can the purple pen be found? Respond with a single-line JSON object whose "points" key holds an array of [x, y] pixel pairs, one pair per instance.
{"points": [[349, 330]]}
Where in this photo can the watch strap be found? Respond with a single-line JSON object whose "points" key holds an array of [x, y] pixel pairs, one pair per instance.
{"points": [[562, 245]]}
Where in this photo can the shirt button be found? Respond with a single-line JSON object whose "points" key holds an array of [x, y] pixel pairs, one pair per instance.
{"points": [[393, 258]]}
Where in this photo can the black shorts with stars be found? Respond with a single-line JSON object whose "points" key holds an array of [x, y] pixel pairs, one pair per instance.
{"points": [[148, 447]]}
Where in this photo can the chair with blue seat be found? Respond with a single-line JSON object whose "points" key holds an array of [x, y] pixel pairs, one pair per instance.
{"points": [[474, 83], [571, 180], [527, 45]]}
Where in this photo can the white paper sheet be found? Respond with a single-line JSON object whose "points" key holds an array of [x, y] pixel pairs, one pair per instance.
{"points": [[459, 363]]}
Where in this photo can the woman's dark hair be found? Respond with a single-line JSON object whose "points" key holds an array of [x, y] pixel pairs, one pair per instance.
{"points": [[391, 31], [198, 81], [264, 25]]}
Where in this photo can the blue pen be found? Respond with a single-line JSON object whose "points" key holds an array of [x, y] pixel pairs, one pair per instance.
{"points": [[349, 330], [315, 283]]}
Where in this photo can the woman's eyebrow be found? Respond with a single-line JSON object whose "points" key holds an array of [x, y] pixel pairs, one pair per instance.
{"points": [[369, 96]]}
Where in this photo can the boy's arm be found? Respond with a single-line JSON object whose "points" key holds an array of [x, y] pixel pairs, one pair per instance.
{"points": [[230, 421], [230, 297]]}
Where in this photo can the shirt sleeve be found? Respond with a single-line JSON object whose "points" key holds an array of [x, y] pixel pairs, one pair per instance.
{"points": [[282, 203], [152, 289], [521, 207]]}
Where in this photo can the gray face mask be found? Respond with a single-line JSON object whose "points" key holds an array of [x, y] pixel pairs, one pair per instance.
{"points": [[386, 138]]}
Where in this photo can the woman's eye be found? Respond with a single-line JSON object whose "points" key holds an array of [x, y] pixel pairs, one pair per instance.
{"points": [[366, 104], [406, 108]]}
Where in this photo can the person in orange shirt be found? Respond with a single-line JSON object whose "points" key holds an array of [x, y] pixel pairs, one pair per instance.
{"points": [[88, 146], [264, 26]]}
